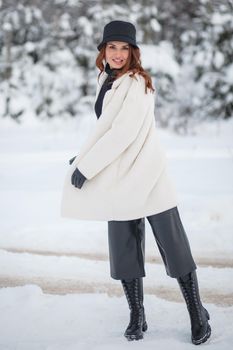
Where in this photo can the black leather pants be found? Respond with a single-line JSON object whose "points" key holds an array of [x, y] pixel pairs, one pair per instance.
{"points": [[127, 245]]}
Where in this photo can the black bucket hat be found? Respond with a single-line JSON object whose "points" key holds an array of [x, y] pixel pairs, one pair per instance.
{"points": [[119, 31]]}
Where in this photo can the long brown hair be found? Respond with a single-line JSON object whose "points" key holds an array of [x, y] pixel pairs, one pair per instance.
{"points": [[133, 64]]}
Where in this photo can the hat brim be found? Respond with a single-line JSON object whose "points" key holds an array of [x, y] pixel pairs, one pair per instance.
{"points": [[117, 38]]}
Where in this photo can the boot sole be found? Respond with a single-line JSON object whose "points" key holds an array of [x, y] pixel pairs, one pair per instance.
{"points": [[206, 336], [134, 337], [137, 336], [203, 339]]}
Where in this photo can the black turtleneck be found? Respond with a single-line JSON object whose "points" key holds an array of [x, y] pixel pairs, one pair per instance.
{"points": [[77, 176], [107, 85]]}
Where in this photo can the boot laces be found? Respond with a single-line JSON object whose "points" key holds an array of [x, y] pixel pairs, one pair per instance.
{"points": [[135, 301], [133, 296], [192, 299]]}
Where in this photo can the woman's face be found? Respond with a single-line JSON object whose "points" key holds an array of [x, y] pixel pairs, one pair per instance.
{"points": [[116, 53]]}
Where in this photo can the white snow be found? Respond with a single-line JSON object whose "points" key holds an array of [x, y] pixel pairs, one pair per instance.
{"points": [[57, 293], [93, 321], [155, 25], [221, 18], [218, 59], [7, 27], [229, 71], [160, 58]]}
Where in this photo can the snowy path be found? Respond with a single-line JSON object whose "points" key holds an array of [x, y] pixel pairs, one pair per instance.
{"points": [[44, 271], [63, 286], [96, 322], [201, 261], [55, 288]]}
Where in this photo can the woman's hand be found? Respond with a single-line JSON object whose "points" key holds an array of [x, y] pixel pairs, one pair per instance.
{"points": [[78, 179]]}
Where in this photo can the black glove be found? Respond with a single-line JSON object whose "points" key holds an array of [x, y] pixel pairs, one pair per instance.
{"points": [[72, 159], [78, 179]]}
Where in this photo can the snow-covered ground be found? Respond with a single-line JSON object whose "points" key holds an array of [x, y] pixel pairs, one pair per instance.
{"points": [[57, 293]]}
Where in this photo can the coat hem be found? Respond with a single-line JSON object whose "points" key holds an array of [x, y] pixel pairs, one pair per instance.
{"points": [[118, 217]]}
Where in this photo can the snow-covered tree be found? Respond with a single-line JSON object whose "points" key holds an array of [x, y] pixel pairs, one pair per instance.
{"points": [[48, 52]]}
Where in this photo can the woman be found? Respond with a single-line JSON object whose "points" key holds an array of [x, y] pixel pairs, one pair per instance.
{"points": [[120, 175]]}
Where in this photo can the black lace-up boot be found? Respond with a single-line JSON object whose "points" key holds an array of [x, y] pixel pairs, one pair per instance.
{"points": [[199, 316], [134, 293]]}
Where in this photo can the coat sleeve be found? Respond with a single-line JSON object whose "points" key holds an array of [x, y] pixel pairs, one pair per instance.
{"points": [[122, 133]]}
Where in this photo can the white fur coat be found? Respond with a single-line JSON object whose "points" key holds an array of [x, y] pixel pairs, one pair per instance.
{"points": [[122, 160]]}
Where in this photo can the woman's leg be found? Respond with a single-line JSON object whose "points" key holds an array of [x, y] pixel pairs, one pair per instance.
{"points": [[127, 256], [172, 242], [126, 241], [199, 316], [133, 290], [175, 250]]}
